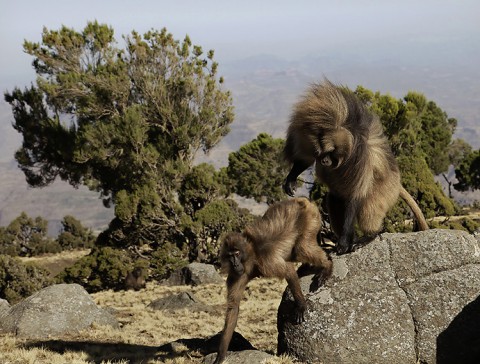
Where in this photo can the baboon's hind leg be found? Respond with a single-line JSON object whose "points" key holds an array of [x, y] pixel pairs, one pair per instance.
{"points": [[317, 260]]}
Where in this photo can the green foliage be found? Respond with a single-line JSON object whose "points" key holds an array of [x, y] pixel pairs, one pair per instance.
{"points": [[465, 224], [104, 268], [457, 151], [420, 134], [124, 120], [18, 280], [437, 133], [74, 235], [257, 169], [7, 245], [419, 181], [468, 172], [166, 259], [199, 187], [414, 125], [25, 236], [211, 222], [470, 225]]}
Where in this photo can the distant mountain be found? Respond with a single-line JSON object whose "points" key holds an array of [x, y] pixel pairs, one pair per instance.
{"points": [[52, 202], [265, 87]]}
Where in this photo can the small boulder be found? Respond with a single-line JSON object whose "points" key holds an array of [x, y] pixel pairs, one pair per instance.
{"points": [[194, 274], [54, 311], [178, 301], [4, 306]]}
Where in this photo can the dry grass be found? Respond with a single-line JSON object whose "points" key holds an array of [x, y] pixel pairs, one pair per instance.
{"points": [[55, 263], [143, 330]]}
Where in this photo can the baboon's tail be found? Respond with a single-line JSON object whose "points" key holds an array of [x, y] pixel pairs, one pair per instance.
{"points": [[422, 223]]}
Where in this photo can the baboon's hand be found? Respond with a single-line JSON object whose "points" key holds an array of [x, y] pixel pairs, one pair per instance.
{"points": [[298, 315], [318, 280], [289, 187]]}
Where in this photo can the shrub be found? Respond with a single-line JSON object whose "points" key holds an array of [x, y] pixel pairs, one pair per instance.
{"points": [[166, 259], [18, 280], [26, 237], [465, 224], [470, 225], [6, 243], [104, 268], [199, 187], [74, 235], [215, 219], [47, 246]]}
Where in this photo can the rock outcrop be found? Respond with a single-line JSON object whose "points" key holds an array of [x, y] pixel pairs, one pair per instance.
{"points": [[403, 298], [4, 306]]}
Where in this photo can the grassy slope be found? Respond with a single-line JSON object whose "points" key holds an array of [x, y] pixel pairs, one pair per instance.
{"points": [[144, 330]]}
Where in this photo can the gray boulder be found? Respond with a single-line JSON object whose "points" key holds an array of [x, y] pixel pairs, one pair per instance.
{"points": [[179, 301], [194, 274], [55, 311], [4, 306], [403, 298]]}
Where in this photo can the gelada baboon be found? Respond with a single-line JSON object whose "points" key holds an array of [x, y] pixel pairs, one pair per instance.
{"points": [[286, 233], [135, 279], [332, 128]]}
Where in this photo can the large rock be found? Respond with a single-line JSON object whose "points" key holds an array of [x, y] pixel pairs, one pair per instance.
{"points": [[194, 274], [404, 298], [54, 311], [4, 306]]}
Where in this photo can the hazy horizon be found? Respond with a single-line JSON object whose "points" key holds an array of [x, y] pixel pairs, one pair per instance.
{"points": [[239, 30]]}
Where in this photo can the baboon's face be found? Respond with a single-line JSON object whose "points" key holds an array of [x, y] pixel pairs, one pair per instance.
{"points": [[336, 147], [326, 160], [332, 159], [234, 252], [235, 259]]}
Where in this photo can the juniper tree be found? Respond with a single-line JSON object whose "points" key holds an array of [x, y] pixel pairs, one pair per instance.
{"points": [[126, 120], [468, 172], [257, 169]]}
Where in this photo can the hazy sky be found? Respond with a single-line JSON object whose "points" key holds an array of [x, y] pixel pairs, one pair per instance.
{"points": [[238, 29]]}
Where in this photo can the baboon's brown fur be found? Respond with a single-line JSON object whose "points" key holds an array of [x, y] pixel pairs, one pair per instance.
{"points": [[135, 279], [332, 127], [286, 233]]}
